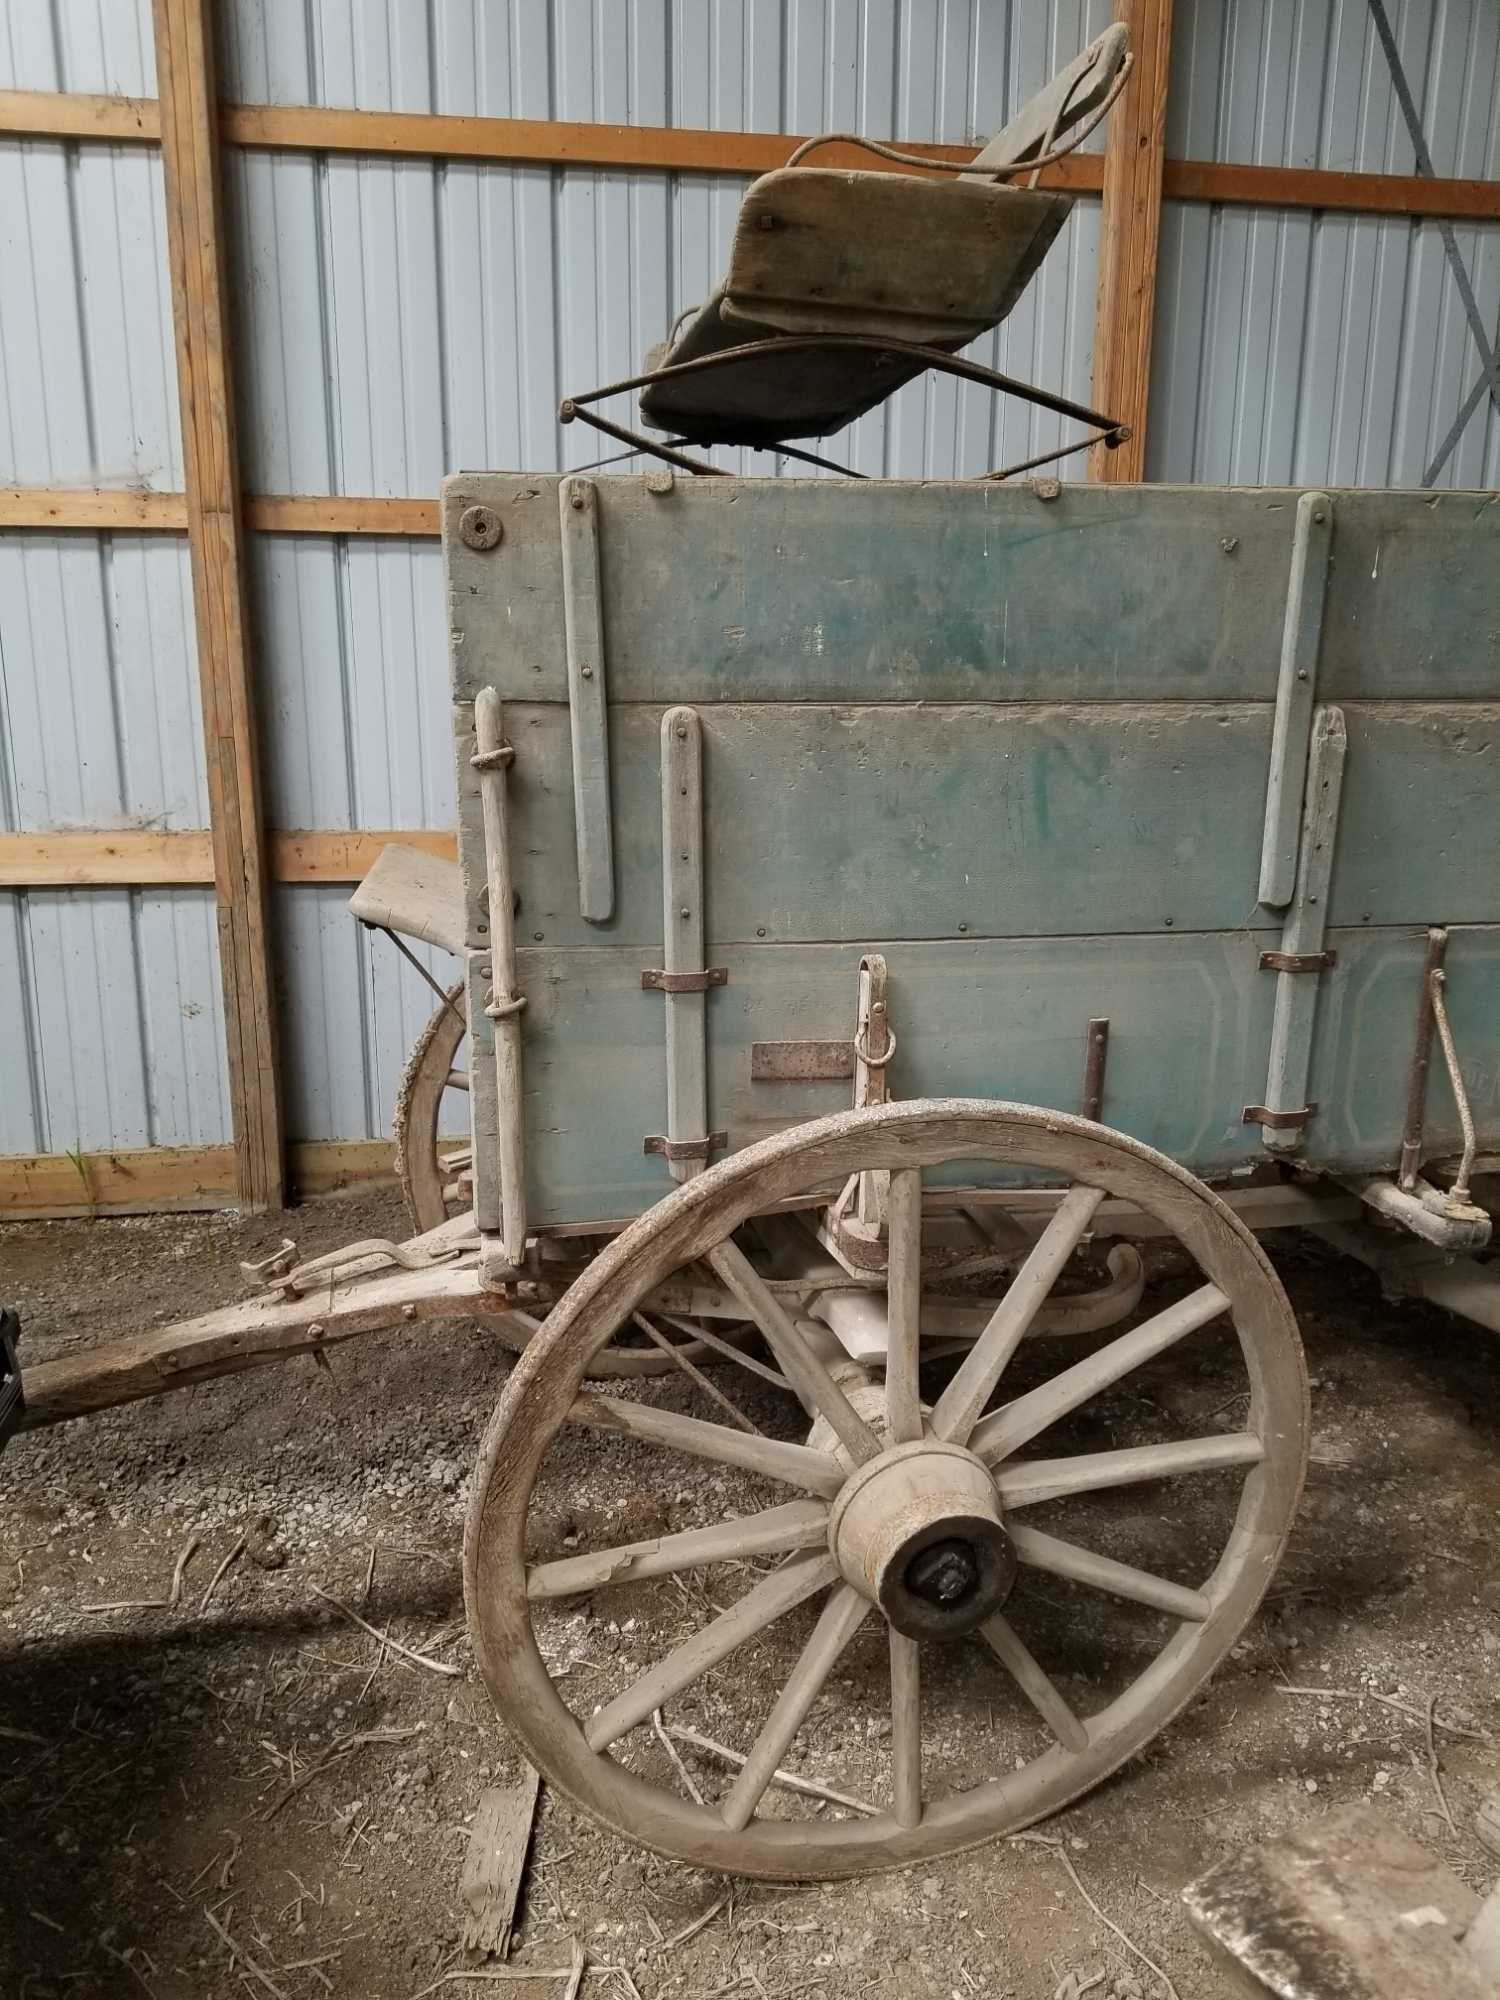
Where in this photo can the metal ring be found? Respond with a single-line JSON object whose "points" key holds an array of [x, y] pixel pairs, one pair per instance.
{"points": [[862, 1048], [500, 1010]]}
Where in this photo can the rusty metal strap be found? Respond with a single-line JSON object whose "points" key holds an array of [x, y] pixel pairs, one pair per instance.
{"points": [[684, 982], [801, 1062], [1277, 1121], [1298, 961], [685, 1149]]}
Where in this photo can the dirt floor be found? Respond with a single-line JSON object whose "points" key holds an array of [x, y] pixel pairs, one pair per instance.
{"points": [[249, 1793]]}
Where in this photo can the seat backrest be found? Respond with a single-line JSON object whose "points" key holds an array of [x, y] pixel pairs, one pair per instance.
{"points": [[1071, 95]]}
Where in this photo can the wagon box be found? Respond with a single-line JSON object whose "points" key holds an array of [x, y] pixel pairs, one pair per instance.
{"points": [[1037, 753]]}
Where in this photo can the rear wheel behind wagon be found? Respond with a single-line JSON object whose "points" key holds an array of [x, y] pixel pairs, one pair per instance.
{"points": [[950, 1600], [437, 1183]]}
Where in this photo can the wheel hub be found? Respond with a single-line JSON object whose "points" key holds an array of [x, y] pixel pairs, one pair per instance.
{"points": [[918, 1531]]}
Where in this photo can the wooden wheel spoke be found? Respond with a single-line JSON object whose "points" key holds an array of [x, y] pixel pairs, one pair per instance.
{"points": [[686, 1663], [1059, 1558], [679, 1360], [1034, 1684], [793, 1464], [458, 1079], [727, 1348], [840, 1619], [959, 1406], [1006, 1429], [796, 1524], [820, 1394], [906, 1728], [903, 1403], [1025, 1482]]}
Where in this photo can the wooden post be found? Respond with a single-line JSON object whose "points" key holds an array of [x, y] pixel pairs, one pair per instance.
{"points": [[1128, 237], [188, 98]]}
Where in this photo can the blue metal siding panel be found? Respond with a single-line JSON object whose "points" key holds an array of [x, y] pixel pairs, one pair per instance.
{"points": [[1301, 348], [1307, 84], [89, 45]]}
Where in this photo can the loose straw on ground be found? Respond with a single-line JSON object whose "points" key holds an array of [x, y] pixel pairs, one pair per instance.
{"points": [[788, 1780], [173, 1597], [417, 1659]]}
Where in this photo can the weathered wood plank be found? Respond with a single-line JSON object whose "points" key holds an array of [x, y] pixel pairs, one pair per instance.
{"points": [[817, 590], [159, 1179], [1190, 1025], [135, 857], [1129, 233], [1007, 820], [184, 39]]}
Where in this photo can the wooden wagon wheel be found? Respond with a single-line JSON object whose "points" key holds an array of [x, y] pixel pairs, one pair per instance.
{"points": [[433, 1172], [911, 1518], [435, 1181]]}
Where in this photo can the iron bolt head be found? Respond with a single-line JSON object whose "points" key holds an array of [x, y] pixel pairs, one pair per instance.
{"points": [[480, 528], [586, 672], [943, 1574], [575, 501], [1229, 543]]}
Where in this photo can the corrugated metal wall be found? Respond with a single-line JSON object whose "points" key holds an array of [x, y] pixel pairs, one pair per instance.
{"points": [[1307, 348], [406, 318], [403, 318], [110, 1024]]}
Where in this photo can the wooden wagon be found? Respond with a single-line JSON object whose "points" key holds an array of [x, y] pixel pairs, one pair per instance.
{"points": [[913, 937]]}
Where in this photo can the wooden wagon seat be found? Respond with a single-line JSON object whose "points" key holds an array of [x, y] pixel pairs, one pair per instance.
{"points": [[884, 255]]}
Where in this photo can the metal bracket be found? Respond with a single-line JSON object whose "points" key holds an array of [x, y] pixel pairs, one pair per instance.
{"points": [[675, 1150], [1295, 1014], [583, 624], [502, 1003], [1298, 961], [684, 982], [1095, 1055], [1278, 1121], [1296, 689], [684, 979], [1421, 1062], [801, 1062]]}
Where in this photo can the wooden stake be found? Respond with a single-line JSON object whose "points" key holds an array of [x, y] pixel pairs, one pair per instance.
{"points": [[1129, 232], [195, 247]]}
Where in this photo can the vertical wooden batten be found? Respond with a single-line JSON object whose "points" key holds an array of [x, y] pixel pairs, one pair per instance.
{"points": [[1130, 230], [188, 99]]}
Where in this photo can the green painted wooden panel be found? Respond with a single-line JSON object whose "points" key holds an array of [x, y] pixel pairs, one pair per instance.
{"points": [[822, 590], [1005, 821], [1190, 1026], [1419, 829]]}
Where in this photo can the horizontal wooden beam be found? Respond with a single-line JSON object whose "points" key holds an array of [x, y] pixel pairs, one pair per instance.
{"points": [[111, 510], [75, 114], [339, 514], [549, 142], [101, 508], [136, 858], [164, 1179], [1409, 195]]}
